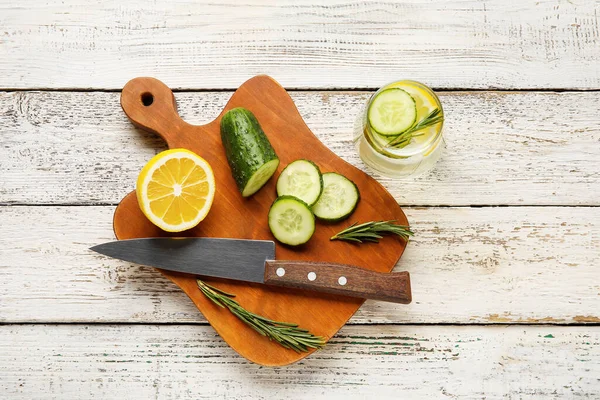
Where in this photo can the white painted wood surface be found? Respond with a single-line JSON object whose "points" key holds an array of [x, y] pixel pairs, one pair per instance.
{"points": [[389, 361], [79, 148], [521, 281], [468, 265], [302, 43]]}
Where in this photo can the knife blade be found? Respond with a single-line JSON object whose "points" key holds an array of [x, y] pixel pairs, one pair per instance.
{"points": [[254, 261]]}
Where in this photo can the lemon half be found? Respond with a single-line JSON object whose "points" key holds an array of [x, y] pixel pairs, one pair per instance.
{"points": [[175, 190]]}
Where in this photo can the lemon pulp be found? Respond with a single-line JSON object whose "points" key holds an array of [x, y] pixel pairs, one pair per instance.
{"points": [[175, 189]]}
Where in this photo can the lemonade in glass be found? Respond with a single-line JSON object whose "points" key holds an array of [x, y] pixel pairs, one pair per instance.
{"points": [[400, 132]]}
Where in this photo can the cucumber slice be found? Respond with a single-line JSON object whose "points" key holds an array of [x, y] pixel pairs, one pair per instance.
{"points": [[301, 179], [378, 142], [339, 199], [291, 221], [392, 112]]}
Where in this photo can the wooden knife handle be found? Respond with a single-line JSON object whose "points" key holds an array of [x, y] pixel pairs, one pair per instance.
{"points": [[342, 279]]}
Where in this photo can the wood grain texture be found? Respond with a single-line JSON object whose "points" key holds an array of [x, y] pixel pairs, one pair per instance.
{"points": [[502, 148], [420, 362], [343, 44], [468, 265], [233, 216], [340, 279], [512, 265]]}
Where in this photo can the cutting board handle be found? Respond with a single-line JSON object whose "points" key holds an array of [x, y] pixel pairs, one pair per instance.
{"points": [[342, 279], [150, 105]]}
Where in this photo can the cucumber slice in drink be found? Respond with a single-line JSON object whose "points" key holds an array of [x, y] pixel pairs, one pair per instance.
{"points": [[301, 179], [339, 198], [291, 221], [392, 112]]}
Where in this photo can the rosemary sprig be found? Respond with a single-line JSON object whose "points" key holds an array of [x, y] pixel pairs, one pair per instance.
{"points": [[286, 334], [372, 231], [405, 137]]}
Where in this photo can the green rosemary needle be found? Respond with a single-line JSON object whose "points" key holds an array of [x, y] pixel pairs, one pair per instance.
{"points": [[286, 334], [372, 231], [405, 137]]}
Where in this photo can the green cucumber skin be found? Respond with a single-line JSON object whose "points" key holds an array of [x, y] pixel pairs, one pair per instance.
{"points": [[320, 178], [332, 220], [287, 197], [246, 146]]}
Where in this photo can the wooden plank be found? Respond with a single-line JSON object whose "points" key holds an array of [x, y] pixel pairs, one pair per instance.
{"points": [[467, 265], [302, 43], [502, 148], [107, 361]]}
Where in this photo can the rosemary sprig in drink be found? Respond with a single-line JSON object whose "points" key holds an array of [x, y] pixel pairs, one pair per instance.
{"points": [[286, 334], [405, 137], [372, 231]]}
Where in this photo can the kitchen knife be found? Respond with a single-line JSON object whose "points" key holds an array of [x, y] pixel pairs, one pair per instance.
{"points": [[254, 261]]}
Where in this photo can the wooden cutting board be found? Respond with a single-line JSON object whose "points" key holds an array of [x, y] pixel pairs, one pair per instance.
{"points": [[150, 105]]}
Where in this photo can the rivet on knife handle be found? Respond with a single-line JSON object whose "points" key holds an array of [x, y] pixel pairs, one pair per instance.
{"points": [[342, 279]]}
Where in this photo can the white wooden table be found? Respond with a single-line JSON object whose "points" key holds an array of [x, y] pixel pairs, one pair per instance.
{"points": [[505, 262]]}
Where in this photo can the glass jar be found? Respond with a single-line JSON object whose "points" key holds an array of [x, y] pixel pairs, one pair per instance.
{"points": [[415, 155]]}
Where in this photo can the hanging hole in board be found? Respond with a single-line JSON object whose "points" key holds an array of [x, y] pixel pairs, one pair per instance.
{"points": [[147, 99]]}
